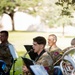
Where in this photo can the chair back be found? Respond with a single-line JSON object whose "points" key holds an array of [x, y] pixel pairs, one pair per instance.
{"points": [[2, 67]]}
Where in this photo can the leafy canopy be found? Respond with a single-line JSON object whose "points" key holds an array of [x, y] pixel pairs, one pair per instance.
{"points": [[6, 6]]}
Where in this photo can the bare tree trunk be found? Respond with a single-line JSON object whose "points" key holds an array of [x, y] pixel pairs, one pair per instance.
{"points": [[11, 15], [63, 32]]}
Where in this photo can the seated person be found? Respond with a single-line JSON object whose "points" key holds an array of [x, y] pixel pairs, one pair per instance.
{"points": [[43, 57], [72, 45], [53, 49], [7, 51]]}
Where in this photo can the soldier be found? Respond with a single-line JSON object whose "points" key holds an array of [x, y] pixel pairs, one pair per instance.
{"points": [[43, 57], [72, 45], [54, 50], [6, 51]]}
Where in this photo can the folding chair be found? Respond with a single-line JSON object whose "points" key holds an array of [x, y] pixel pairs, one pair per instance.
{"points": [[2, 67]]}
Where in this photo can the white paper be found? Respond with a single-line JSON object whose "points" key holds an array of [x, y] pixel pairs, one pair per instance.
{"points": [[13, 51], [38, 70]]}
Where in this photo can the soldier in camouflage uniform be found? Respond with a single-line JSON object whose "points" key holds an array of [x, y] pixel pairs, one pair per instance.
{"points": [[54, 50], [43, 57], [72, 45], [5, 53]]}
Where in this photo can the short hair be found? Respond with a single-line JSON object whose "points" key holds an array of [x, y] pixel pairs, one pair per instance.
{"points": [[54, 36], [40, 40], [73, 41], [4, 31]]}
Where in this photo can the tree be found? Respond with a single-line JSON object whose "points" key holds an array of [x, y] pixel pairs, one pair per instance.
{"points": [[68, 8], [7, 6]]}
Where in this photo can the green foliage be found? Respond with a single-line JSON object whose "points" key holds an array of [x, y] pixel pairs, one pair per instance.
{"points": [[30, 6], [68, 1], [67, 6], [6, 6]]}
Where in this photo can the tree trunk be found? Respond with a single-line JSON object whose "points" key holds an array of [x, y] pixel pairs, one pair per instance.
{"points": [[63, 32], [11, 15]]}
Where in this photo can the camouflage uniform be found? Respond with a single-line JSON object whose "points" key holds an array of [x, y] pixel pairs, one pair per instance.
{"points": [[56, 54], [68, 48], [5, 55], [46, 61]]}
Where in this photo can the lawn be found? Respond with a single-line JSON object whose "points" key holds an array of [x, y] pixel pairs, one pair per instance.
{"points": [[19, 39]]}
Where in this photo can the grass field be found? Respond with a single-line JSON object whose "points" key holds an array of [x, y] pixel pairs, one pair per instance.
{"points": [[19, 39]]}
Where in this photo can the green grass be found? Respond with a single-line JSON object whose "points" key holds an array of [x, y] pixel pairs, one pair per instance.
{"points": [[19, 39], [18, 64], [18, 67]]}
